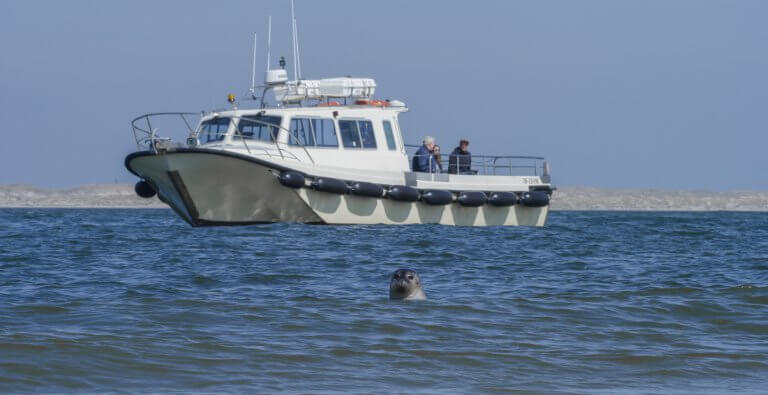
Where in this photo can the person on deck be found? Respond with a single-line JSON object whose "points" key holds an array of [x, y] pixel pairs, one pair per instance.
{"points": [[460, 160], [423, 160], [437, 158]]}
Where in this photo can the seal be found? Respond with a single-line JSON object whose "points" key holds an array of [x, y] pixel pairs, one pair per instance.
{"points": [[406, 285]]}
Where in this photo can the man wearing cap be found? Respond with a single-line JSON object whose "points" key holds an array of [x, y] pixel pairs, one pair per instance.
{"points": [[423, 160], [460, 161]]}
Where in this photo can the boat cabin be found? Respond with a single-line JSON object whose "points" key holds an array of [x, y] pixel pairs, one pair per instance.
{"points": [[362, 136]]}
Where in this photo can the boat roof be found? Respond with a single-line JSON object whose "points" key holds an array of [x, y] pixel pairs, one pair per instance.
{"points": [[318, 108]]}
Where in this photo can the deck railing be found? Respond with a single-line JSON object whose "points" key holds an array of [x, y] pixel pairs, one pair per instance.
{"points": [[147, 138], [509, 165]]}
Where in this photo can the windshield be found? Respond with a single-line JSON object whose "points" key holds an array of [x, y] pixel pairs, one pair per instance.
{"points": [[213, 130], [259, 127]]}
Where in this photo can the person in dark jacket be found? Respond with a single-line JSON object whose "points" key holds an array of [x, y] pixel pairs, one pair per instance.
{"points": [[437, 158], [460, 161], [423, 160]]}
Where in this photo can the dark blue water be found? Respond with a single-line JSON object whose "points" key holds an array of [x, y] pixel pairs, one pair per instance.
{"points": [[136, 300]]}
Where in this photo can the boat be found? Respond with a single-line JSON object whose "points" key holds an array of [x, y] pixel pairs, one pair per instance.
{"points": [[323, 151]]}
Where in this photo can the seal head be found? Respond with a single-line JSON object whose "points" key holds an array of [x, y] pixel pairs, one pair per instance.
{"points": [[406, 285]]}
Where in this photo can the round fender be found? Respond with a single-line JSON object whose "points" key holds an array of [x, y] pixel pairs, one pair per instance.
{"points": [[330, 185], [472, 198], [144, 189], [403, 193], [366, 189], [291, 179], [502, 199], [437, 197], [535, 199]]}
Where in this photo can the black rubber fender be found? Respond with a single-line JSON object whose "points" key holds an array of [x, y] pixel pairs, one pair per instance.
{"points": [[535, 199], [403, 193], [366, 189], [330, 185], [144, 189], [502, 199], [436, 197], [291, 179], [472, 198]]}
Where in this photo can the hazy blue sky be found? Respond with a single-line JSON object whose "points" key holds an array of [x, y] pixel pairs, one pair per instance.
{"points": [[660, 94]]}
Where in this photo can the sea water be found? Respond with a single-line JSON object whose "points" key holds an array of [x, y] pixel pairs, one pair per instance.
{"points": [[139, 301]]}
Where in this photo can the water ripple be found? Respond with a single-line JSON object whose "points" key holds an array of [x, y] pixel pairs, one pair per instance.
{"points": [[108, 300]]}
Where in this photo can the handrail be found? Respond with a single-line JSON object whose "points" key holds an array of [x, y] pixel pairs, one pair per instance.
{"points": [[237, 131], [490, 156], [488, 164], [274, 138], [149, 138]]}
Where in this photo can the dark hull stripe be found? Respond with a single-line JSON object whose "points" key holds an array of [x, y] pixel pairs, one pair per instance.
{"points": [[181, 189]]}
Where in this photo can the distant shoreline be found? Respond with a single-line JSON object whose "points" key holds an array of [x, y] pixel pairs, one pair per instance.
{"points": [[122, 196], [163, 207]]}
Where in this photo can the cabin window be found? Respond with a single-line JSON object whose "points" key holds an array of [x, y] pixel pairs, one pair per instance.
{"points": [[357, 134], [366, 134], [313, 132], [213, 130], [350, 136], [390, 136], [301, 132], [325, 132], [259, 127]]}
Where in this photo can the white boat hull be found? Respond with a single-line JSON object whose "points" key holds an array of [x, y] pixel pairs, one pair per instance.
{"points": [[210, 188], [349, 209]]}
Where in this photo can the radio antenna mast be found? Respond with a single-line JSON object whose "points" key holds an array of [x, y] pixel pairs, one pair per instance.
{"points": [[295, 56], [253, 71], [269, 39], [298, 52]]}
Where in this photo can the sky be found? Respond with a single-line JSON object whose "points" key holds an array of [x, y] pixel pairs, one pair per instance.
{"points": [[615, 94]]}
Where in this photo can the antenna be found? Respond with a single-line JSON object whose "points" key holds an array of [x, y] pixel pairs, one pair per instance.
{"points": [[293, 30], [269, 40], [298, 53], [253, 72]]}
